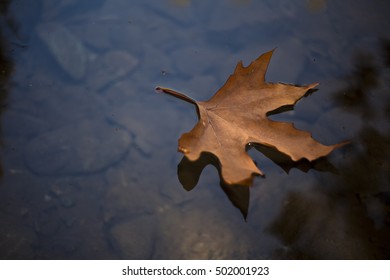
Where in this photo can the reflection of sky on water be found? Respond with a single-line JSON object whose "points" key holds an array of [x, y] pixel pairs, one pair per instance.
{"points": [[88, 149]]}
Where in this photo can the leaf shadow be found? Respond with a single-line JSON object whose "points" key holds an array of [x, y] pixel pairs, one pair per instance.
{"points": [[189, 173], [239, 195], [286, 163]]}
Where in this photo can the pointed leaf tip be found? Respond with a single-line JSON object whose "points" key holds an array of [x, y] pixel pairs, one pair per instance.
{"points": [[341, 144], [313, 85]]}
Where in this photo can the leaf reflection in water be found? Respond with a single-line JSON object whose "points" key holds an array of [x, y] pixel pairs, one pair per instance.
{"points": [[189, 172], [239, 195]]}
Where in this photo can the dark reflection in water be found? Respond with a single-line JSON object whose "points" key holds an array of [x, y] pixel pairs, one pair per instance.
{"points": [[349, 215], [6, 25]]}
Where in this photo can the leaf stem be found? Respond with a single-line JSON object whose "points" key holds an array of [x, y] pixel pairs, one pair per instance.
{"points": [[176, 94]]}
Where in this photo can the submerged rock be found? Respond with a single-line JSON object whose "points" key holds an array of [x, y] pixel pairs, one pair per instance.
{"points": [[133, 238], [17, 240], [109, 68], [66, 48], [82, 148]]}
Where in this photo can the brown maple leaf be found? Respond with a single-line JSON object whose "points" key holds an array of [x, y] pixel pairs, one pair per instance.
{"points": [[237, 116]]}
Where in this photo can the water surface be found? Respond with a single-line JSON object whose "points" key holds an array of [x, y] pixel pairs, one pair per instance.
{"points": [[88, 150]]}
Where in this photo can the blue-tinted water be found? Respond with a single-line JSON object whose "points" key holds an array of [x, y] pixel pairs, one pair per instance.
{"points": [[88, 150]]}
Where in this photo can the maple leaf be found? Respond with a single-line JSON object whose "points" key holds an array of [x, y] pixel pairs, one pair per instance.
{"points": [[237, 116]]}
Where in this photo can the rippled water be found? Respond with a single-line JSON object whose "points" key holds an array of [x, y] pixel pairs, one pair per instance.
{"points": [[88, 154]]}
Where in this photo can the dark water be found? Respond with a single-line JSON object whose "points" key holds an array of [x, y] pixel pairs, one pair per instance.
{"points": [[88, 150]]}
